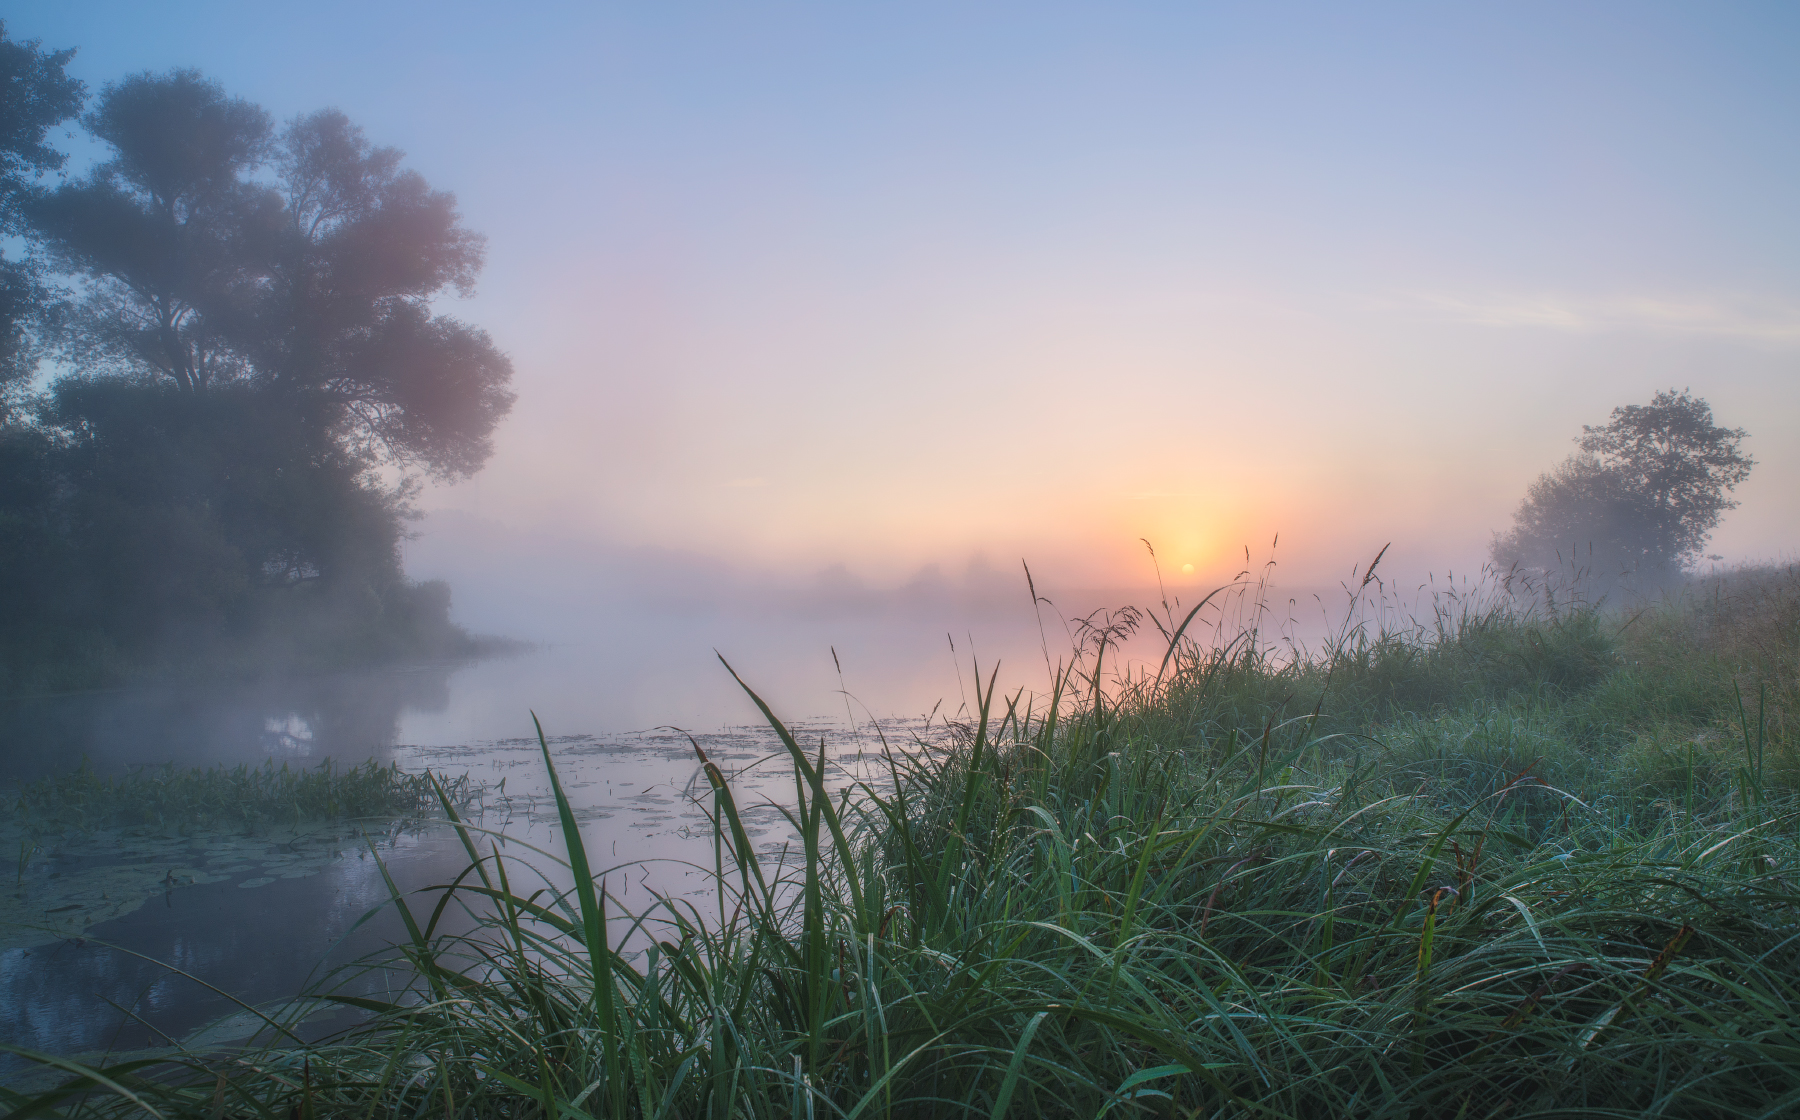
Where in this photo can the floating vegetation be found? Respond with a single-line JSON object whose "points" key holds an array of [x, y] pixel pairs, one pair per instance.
{"points": [[173, 800], [89, 847]]}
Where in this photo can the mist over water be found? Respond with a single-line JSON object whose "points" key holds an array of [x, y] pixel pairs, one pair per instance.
{"points": [[617, 641], [630, 638]]}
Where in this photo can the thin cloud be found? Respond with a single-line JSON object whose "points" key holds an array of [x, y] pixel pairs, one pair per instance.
{"points": [[746, 483], [1756, 321]]}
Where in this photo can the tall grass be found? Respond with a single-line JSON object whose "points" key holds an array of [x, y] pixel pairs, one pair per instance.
{"points": [[1424, 873]]}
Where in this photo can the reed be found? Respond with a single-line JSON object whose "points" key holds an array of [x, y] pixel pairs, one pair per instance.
{"points": [[1422, 873]]}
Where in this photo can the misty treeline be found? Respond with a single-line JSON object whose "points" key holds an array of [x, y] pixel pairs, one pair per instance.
{"points": [[1637, 503], [223, 381]]}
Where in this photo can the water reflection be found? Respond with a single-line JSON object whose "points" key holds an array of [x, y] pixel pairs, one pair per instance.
{"points": [[345, 716], [261, 942]]}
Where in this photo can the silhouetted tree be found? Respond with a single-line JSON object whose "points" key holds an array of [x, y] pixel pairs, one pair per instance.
{"points": [[318, 285], [1643, 496], [35, 96], [169, 232], [251, 342], [308, 297], [363, 248]]}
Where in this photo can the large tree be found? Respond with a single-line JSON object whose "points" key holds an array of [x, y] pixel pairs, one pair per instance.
{"points": [[257, 377], [1643, 495], [35, 96], [318, 284], [296, 269]]}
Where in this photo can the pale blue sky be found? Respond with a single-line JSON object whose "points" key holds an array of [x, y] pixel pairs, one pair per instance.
{"points": [[889, 284]]}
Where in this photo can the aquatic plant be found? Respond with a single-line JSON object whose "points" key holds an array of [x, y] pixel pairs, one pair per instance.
{"points": [[175, 799]]}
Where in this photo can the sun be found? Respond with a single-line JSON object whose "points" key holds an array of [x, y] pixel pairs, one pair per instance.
{"points": [[1187, 569]]}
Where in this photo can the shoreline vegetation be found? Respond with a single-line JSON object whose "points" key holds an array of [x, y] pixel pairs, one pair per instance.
{"points": [[1527, 858]]}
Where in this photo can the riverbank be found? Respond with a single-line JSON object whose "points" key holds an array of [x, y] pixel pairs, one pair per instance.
{"points": [[1520, 860]]}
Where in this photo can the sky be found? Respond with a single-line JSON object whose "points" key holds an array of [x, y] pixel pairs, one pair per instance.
{"points": [[855, 292]]}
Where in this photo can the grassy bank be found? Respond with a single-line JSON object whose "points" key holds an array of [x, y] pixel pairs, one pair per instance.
{"points": [[1519, 860]]}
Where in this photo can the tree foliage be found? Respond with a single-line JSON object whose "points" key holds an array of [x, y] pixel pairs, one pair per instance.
{"points": [[316, 285], [1643, 495], [257, 375], [362, 249], [165, 232], [35, 96]]}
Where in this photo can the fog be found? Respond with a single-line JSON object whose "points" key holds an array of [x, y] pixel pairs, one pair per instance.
{"points": [[632, 638]]}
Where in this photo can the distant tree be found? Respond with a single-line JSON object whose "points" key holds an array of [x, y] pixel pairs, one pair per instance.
{"points": [[1643, 496]]}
